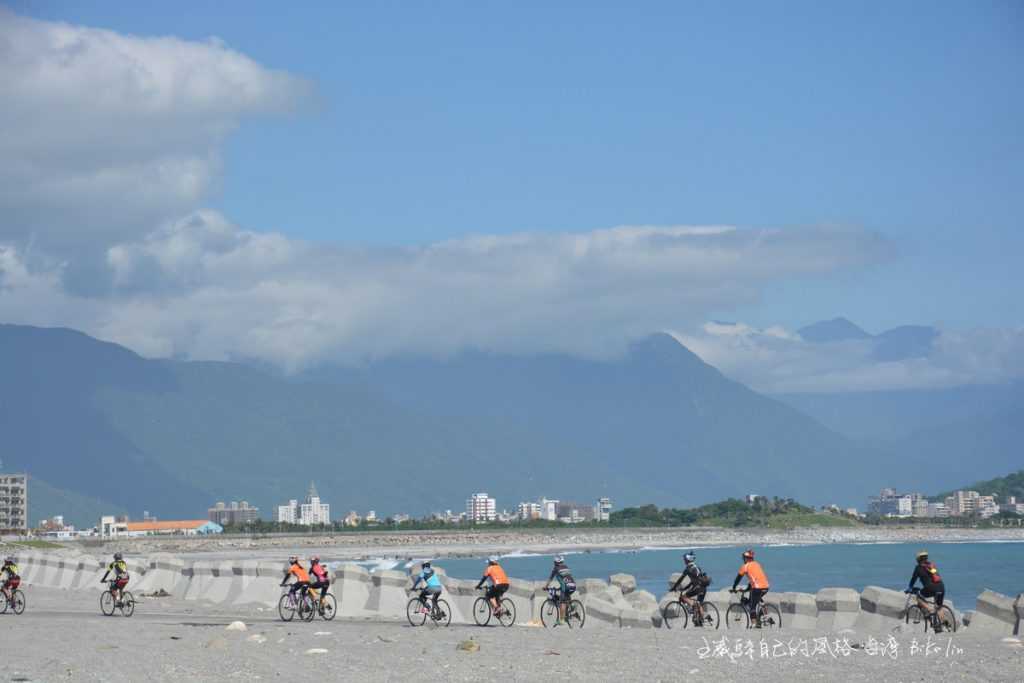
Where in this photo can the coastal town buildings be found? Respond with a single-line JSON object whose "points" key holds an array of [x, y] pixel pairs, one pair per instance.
{"points": [[14, 502], [233, 513], [308, 513], [604, 509], [962, 503], [528, 511]]}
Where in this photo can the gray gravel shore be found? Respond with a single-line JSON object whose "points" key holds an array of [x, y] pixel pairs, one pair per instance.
{"points": [[63, 637]]}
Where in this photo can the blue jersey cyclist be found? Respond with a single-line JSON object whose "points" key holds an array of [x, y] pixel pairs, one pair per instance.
{"points": [[566, 584], [431, 584]]}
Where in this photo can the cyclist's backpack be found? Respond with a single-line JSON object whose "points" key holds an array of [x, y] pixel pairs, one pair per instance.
{"points": [[933, 571]]}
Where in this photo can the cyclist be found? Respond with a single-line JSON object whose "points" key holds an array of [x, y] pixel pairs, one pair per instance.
{"points": [[566, 585], [120, 580], [11, 578], [498, 580], [757, 583], [320, 578], [932, 585], [431, 584], [696, 589], [296, 569]]}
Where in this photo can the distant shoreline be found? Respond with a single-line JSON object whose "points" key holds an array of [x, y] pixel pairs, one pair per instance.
{"points": [[368, 546]]}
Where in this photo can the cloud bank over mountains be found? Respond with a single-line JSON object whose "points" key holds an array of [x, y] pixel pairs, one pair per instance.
{"points": [[110, 147]]}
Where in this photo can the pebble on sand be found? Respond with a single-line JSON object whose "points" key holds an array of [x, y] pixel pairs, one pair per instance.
{"points": [[316, 651], [235, 626], [468, 646]]}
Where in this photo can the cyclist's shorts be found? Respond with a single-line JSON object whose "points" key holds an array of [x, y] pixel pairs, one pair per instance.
{"points": [[120, 583], [432, 590], [697, 592], [497, 591], [11, 584]]}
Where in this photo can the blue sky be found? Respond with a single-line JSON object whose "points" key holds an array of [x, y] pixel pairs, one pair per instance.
{"points": [[460, 118]]}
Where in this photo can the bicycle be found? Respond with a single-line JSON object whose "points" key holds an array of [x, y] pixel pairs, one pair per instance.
{"points": [[938, 619], [418, 610], [326, 606], [768, 616], [15, 601], [678, 614], [483, 611], [125, 601], [575, 613], [289, 605]]}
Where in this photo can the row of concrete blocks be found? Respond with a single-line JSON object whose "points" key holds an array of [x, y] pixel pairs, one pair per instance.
{"points": [[383, 594]]}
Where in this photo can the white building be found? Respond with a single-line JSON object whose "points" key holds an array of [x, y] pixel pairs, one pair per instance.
{"points": [[987, 506], [13, 502], [308, 513], [1013, 505], [528, 511], [548, 509], [481, 508], [937, 510], [604, 509]]}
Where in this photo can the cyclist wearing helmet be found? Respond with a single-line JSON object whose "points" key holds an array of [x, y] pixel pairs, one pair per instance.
{"points": [[566, 584], [321, 581], [757, 583], [932, 585], [698, 584], [11, 578], [296, 569], [498, 580], [120, 580], [431, 584]]}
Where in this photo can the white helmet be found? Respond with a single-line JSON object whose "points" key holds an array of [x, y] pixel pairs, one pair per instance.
{"points": [[493, 559]]}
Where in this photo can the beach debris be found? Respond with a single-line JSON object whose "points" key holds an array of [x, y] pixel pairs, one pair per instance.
{"points": [[535, 623], [257, 638], [217, 643], [552, 652], [1011, 640], [694, 671], [159, 593], [175, 637], [322, 633], [384, 640], [236, 626], [468, 646], [316, 651]]}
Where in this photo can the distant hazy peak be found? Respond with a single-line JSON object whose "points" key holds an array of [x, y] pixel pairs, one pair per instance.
{"points": [[837, 329]]}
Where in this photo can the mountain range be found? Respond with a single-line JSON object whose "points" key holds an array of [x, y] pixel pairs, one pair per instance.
{"points": [[101, 429]]}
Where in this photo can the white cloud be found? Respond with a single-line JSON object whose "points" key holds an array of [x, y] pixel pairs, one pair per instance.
{"points": [[204, 288], [777, 361], [103, 135]]}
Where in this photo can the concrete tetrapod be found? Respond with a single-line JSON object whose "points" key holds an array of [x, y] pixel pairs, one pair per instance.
{"points": [[799, 610], [351, 587], [880, 609], [838, 608], [994, 614], [625, 582]]}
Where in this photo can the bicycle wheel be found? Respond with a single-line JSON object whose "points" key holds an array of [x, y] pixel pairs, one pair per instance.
{"points": [[107, 603], [771, 617], [709, 619], [442, 615], [482, 611], [127, 604], [675, 615], [3, 603], [549, 613], [575, 614], [18, 603], [286, 607], [508, 613], [736, 617], [307, 608], [914, 615], [946, 619], [329, 608], [414, 612]]}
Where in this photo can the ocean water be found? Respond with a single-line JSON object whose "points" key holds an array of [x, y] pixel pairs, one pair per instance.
{"points": [[966, 568]]}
